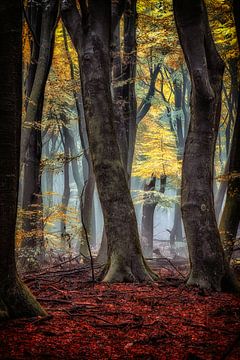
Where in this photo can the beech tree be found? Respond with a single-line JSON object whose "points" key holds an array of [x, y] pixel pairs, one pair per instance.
{"points": [[92, 38], [15, 298], [209, 268]]}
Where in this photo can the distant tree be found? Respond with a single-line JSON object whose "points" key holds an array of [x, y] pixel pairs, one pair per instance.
{"points": [[149, 205], [15, 298], [42, 19], [88, 174], [209, 268]]}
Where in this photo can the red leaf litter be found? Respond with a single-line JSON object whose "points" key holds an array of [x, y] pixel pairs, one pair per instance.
{"points": [[163, 320]]}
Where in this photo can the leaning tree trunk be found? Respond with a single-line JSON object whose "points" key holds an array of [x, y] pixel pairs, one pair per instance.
{"points": [[219, 199], [209, 268], [15, 298], [231, 212]]}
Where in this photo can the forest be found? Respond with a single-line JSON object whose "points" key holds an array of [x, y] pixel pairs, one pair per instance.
{"points": [[120, 179]]}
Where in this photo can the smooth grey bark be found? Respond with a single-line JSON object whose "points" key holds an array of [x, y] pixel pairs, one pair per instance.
{"points": [[123, 88], [209, 268], [125, 260], [15, 298]]}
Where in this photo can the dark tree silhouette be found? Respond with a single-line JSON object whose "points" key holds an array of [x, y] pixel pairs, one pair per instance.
{"points": [[231, 212]]}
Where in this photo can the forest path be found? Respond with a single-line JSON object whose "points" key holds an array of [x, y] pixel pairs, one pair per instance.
{"points": [[125, 321]]}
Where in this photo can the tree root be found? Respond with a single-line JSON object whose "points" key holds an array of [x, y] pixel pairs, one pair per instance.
{"points": [[118, 271], [19, 301]]}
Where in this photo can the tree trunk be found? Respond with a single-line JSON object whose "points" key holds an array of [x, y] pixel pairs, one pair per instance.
{"points": [[31, 145], [146, 103], [32, 195], [125, 260], [176, 232], [129, 70], [49, 20], [185, 98], [15, 298], [149, 206], [221, 192], [86, 159], [209, 268], [66, 190], [124, 97], [49, 154], [231, 213]]}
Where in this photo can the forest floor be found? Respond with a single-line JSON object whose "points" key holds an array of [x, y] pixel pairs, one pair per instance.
{"points": [[164, 320]]}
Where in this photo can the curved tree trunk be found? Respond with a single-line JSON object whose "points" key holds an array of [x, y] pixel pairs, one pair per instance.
{"points": [[125, 260], [123, 88], [209, 268], [15, 298]]}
